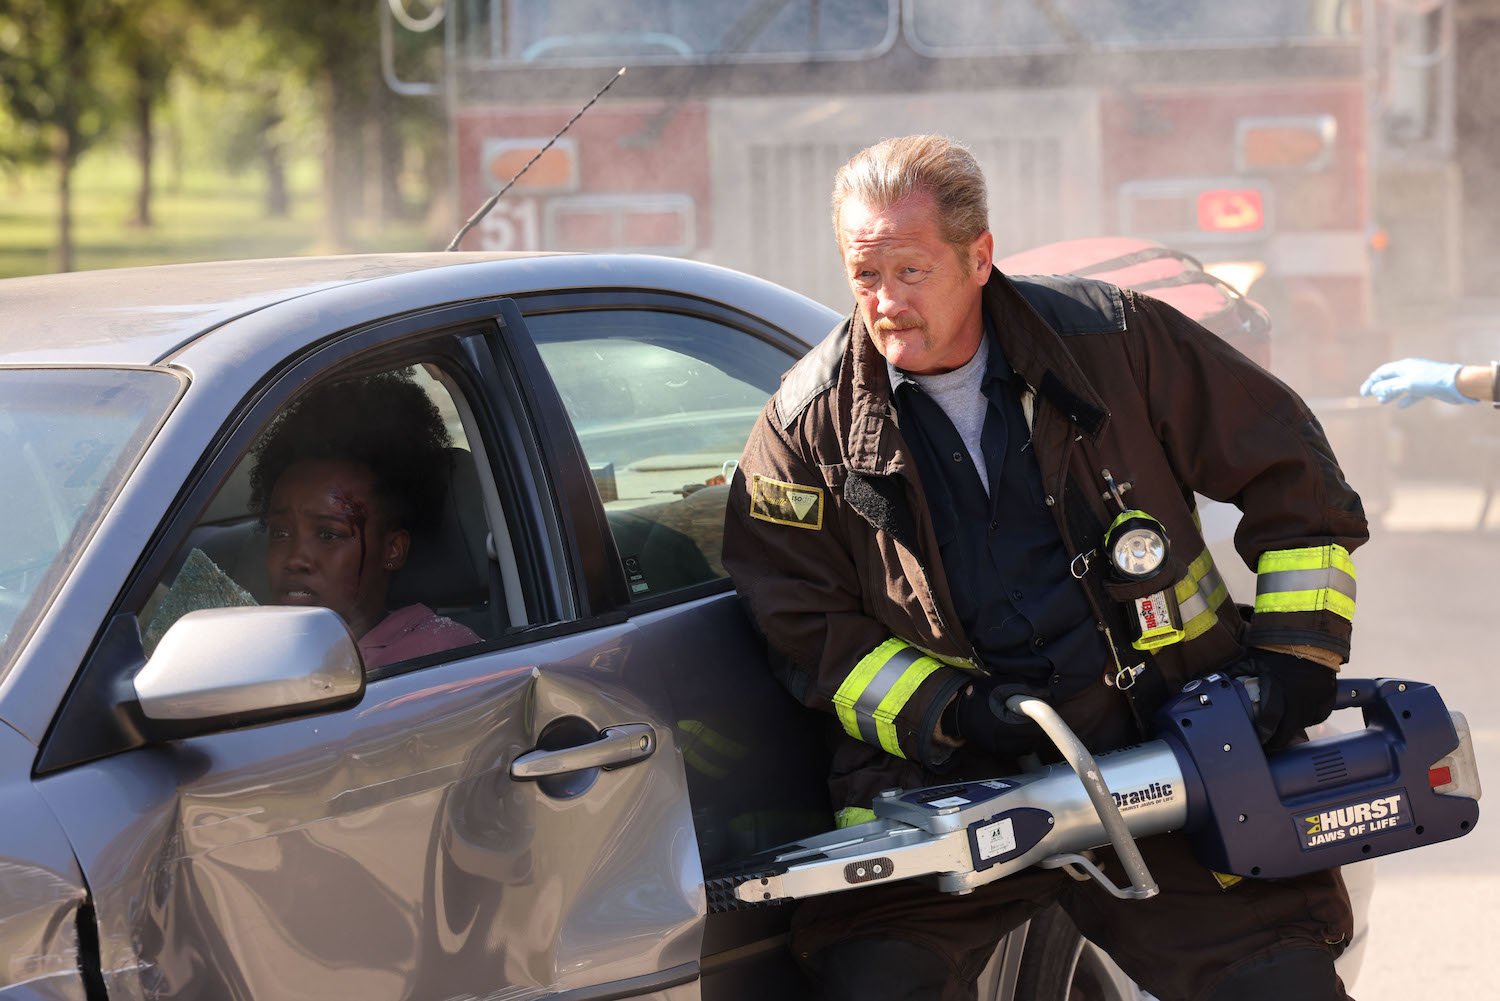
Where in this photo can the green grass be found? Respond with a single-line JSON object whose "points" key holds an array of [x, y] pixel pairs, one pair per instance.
{"points": [[204, 216]]}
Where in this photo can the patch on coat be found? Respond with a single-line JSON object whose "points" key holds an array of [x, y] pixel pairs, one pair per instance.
{"points": [[786, 503]]}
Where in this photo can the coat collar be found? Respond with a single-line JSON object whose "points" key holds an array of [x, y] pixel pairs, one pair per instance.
{"points": [[1037, 353], [872, 441]]}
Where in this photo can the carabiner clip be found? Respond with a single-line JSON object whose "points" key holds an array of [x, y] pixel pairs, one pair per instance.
{"points": [[1124, 677], [1085, 559], [1116, 491]]}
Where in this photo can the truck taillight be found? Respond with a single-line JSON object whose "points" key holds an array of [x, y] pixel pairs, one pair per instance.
{"points": [[1186, 210], [1293, 142], [1230, 210]]}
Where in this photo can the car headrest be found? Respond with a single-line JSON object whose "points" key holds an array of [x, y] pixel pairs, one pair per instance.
{"points": [[447, 565]]}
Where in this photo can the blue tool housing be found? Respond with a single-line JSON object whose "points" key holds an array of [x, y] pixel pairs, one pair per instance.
{"points": [[1342, 799]]}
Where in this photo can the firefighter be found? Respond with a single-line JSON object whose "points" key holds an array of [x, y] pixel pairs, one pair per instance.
{"points": [[1408, 380], [922, 516]]}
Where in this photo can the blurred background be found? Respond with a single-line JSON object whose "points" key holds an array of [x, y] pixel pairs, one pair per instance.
{"points": [[1332, 158], [1336, 160]]}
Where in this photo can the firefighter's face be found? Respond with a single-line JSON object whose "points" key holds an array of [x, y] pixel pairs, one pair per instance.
{"points": [[918, 295]]}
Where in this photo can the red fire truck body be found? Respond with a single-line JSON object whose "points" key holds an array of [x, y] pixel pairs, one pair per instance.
{"points": [[1239, 134]]}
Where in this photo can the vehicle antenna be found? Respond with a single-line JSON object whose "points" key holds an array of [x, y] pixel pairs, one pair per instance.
{"points": [[485, 208]]}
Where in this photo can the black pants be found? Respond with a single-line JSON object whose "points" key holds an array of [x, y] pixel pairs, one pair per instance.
{"points": [[896, 970], [1193, 942]]}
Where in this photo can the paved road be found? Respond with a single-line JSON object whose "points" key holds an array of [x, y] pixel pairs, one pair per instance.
{"points": [[1429, 608]]}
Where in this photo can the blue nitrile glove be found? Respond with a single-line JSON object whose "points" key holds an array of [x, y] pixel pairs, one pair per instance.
{"points": [[1412, 379]]}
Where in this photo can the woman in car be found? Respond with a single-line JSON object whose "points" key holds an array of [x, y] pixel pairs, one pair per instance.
{"points": [[340, 479]]}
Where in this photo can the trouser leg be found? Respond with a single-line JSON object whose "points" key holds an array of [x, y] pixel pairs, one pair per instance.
{"points": [[1289, 975], [898, 940], [1194, 938], [888, 969]]}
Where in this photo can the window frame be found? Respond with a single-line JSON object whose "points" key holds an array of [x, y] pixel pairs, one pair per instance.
{"points": [[610, 593], [97, 715]]}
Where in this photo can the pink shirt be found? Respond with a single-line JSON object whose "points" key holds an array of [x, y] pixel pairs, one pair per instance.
{"points": [[412, 632]]}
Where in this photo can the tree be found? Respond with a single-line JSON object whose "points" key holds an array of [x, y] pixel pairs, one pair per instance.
{"points": [[149, 39], [50, 57], [245, 103], [338, 44]]}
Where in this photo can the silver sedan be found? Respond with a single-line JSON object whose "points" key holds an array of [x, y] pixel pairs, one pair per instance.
{"points": [[214, 786]]}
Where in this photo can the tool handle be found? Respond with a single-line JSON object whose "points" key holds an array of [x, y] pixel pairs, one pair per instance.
{"points": [[1081, 869], [1353, 693], [1142, 885], [1358, 692]]}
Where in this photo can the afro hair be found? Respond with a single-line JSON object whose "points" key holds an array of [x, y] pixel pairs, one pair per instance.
{"points": [[385, 421]]}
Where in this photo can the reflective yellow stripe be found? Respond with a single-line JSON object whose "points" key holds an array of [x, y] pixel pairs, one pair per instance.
{"points": [[845, 699], [1204, 620], [874, 693], [891, 706], [1188, 586], [1199, 596], [712, 739], [963, 665], [706, 750], [851, 815], [1310, 579], [1306, 601], [1309, 558]]}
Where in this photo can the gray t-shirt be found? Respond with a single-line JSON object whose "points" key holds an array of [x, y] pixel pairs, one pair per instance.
{"points": [[958, 393]]}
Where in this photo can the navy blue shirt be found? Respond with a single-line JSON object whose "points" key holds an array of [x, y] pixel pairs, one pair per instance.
{"points": [[1006, 564]]}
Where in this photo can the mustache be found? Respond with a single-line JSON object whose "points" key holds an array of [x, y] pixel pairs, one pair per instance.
{"points": [[884, 326]]}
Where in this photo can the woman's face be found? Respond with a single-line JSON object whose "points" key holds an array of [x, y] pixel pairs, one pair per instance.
{"points": [[330, 542]]}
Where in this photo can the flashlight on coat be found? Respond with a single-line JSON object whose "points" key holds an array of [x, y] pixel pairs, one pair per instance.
{"points": [[1137, 546]]}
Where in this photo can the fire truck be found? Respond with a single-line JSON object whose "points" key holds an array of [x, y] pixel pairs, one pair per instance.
{"points": [[1290, 146]]}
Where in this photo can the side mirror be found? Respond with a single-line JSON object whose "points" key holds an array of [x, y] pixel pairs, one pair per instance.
{"points": [[221, 668]]}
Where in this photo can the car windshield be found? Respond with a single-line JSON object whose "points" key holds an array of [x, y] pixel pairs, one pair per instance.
{"points": [[67, 439]]}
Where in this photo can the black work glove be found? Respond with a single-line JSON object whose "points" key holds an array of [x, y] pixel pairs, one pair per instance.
{"points": [[981, 719], [1295, 693]]}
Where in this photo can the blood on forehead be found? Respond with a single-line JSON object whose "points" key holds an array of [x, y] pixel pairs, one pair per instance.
{"points": [[356, 514]]}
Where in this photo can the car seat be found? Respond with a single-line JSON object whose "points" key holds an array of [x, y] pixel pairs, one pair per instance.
{"points": [[448, 567]]}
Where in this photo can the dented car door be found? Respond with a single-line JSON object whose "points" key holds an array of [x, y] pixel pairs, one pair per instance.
{"points": [[387, 851]]}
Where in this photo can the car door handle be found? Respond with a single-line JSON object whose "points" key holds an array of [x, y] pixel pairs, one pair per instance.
{"points": [[616, 747]]}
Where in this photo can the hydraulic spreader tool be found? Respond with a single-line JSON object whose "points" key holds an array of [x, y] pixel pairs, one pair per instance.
{"points": [[1405, 780]]}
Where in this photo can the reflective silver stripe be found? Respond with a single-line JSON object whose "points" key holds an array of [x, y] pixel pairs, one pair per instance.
{"points": [[879, 687], [1196, 603], [1329, 578]]}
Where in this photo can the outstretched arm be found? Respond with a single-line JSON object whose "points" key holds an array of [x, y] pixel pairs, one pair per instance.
{"points": [[1408, 380]]}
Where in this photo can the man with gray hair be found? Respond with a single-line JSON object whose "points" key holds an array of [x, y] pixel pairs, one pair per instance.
{"points": [[922, 524]]}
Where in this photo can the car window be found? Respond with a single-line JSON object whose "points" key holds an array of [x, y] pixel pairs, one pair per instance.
{"points": [[662, 404], [672, 31], [364, 494], [969, 27], [67, 439]]}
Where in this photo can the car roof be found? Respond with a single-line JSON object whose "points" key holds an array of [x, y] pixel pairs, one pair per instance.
{"points": [[141, 316], [138, 315]]}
